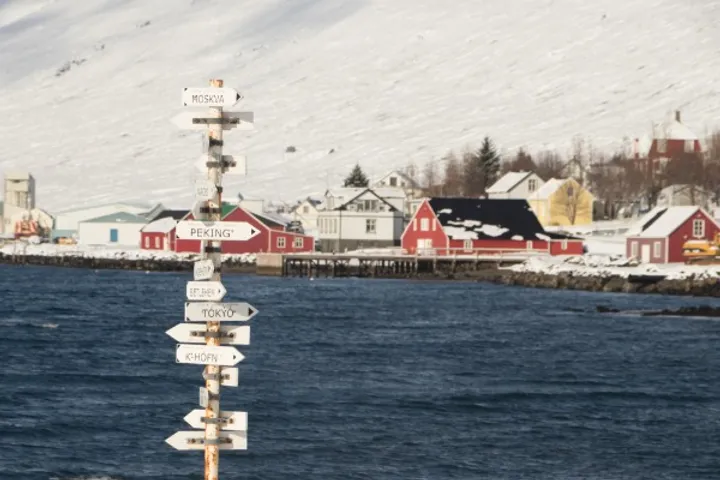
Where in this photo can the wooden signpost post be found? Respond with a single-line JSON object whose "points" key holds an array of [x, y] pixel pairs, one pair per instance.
{"points": [[206, 290]]}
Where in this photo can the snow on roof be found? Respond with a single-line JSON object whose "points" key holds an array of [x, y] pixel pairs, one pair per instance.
{"points": [[637, 227], [668, 222], [674, 130], [550, 187], [508, 181], [117, 217], [163, 225]]}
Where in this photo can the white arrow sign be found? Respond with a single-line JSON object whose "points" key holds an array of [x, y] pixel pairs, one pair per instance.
{"points": [[234, 165], [232, 421], [230, 121], [205, 189], [203, 270], [210, 97], [219, 312], [195, 333], [195, 440], [228, 377], [208, 355], [205, 291], [207, 230]]}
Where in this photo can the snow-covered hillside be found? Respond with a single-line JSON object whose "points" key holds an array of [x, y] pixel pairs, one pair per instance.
{"points": [[89, 87]]}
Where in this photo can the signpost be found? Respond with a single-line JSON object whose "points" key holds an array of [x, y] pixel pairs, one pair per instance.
{"points": [[197, 230], [218, 312], [208, 344], [195, 333], [205, 291]]}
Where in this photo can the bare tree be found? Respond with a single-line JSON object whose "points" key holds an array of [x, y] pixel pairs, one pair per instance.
{"points": [[453, 177], [549, 165], [431, 181], [575, 201]]}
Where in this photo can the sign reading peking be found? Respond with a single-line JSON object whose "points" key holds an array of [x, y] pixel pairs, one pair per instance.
{"points": [[204, 230]]}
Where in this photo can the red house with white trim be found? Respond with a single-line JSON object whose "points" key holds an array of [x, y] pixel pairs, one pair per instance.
{"points": [[468, 226], [273, 236], [671, 140], [658, 237], [159, 235]]}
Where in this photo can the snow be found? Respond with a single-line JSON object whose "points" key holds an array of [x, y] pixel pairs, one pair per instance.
{"points": [[611, 265], [466, 223], [101, 252], [491, 230], [517, 237], [542, 236], [668, 222], [354, 76], [460, 233], [507, 182], [548, 188], [447, 211], [614, 245], [164, 225]]}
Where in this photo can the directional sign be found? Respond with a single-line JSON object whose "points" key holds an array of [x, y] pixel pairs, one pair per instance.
{"points": [[230, 121], [235, 165], [210, 97], [219, 312], [228, 377], [195, 440], [207, 230], [208, 355], [207, 291], [204, 397], [233, 421], [195, 333], [203, 270], [205, 189]]}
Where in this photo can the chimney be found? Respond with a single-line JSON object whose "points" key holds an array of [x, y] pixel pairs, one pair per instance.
{"points": [[677, 116]]}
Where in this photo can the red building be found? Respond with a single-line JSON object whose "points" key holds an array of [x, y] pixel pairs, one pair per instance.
{"points": [[273, 237], [468, 226], [659, 236], [159, 235], [672, 140]]}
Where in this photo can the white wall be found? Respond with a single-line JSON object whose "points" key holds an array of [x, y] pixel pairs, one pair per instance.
{"points": [[388, 225], [99, 234], [309, 219], [522, 190], [69, 220]]}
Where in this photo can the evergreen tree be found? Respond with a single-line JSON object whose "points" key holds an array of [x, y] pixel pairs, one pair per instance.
{"points": [[490, 162], [356, 178]]}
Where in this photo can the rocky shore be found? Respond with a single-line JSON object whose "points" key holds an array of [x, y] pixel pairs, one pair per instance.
{"points": [[143, 264]]}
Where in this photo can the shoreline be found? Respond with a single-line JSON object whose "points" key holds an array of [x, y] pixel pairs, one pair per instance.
{"points": [[690, 286]]}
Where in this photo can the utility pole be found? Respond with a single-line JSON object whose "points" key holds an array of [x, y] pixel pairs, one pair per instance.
{"points": [[222, 430]]}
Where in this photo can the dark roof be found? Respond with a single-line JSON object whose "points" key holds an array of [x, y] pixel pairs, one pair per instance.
{"points": [[174, 214], [653, 219], [489, 219]]}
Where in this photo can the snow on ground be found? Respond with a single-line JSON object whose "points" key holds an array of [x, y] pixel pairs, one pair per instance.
{"points": [[605, 245], [88, 251], [92, 85], [611, 265]]}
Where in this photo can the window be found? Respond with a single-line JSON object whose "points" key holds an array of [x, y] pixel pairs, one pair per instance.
{"points": [[306, 209], [393, 181], [528, 244], [657, 250], [634, 249], [157, 242], [147, 242], [689, 146], [298, 242], [662, 146], [433, 225], [280, 242], [370, 225], [698, 228], [570, 191], [113, 235], [532, 185], [424, 224], [563, 245], [467, 245], [414, 224]]}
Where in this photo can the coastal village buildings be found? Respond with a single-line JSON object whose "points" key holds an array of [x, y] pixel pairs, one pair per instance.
{"points": [[67, 222], [518, 185], [562, 202], [361, 218], [18, 198], [119, 229], [470, 226], [658, 237]]}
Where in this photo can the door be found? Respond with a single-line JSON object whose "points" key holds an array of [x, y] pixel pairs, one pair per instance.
{"points": [[113, 235], [424, 244], [645, 253]]}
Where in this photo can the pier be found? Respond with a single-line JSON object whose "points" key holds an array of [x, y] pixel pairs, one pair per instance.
{"points": [[378, 266]]}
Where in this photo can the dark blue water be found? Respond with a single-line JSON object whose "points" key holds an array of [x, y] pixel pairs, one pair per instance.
{"points": [[358, 379]]}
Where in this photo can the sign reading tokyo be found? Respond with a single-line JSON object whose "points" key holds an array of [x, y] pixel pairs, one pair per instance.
{"points": [[197, 230]]}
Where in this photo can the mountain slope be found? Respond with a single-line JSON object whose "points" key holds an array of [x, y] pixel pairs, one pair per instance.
{"points": [[380, 82]]}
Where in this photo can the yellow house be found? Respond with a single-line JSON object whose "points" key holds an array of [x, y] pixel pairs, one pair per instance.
{"points": [[562, 202]]}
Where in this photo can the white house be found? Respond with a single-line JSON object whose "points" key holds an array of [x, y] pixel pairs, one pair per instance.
{"points": [[366, 220], [121, 229], [517, 185], [306, 212], [684, 196], [396, 178], [67, 221]]}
